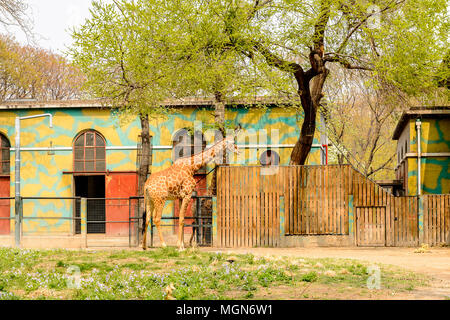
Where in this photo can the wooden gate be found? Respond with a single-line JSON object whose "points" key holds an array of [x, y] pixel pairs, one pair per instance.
{"points": [[404, 221], [248, 207], [370, 226]]}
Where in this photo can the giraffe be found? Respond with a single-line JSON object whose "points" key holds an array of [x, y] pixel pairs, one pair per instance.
{"points": [[177, 182]]}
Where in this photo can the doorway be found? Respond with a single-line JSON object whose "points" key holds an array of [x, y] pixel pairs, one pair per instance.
{"points": [[91, 187]]}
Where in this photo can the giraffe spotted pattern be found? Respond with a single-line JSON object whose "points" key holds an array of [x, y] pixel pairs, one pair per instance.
{"points": [[177, 182]]}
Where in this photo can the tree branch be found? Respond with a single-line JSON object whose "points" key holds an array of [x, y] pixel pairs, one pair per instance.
{"points": [[275, 61], [319, 27], [344, 42], [256, 6], [345, 63]]}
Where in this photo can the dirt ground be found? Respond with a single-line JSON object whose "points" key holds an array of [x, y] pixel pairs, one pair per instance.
{"points": [[435, 263]]}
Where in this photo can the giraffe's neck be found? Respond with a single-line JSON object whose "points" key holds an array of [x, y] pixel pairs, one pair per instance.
{"points": [[199, 160]]}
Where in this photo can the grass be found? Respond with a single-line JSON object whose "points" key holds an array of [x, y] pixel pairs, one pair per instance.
{"points": [[69, 274]]}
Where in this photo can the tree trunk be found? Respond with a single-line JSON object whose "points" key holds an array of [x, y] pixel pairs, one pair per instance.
{"points": [[144, 166], [146, 160], [219, 118], [310, 97]]}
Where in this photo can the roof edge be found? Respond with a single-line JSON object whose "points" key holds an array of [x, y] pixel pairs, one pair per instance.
{"points": [[419, 112], [104, 103]]}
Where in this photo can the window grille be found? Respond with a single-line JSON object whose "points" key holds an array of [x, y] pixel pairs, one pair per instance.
{"points": [[4, 155], [89, 152]]}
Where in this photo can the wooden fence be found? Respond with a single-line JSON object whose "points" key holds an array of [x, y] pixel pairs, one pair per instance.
{"points": [[322, 200], [436, 219]]}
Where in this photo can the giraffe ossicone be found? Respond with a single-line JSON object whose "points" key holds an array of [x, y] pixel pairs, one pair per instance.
{"points": [[177, 182]]}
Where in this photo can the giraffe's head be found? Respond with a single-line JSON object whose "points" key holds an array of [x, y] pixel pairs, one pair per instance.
{"points": [[230, 145], [230, 142]]}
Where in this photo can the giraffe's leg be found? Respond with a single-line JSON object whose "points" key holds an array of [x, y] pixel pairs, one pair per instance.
{"points": [[149, 209], [180, 242], [157, 220], [193, 239]]}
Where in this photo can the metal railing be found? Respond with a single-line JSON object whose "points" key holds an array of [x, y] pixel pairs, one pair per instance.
{"points": [[203, 222], [88, 216]]}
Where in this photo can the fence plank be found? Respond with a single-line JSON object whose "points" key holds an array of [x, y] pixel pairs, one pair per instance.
{"points": [[246, 229], [433, 220], [442, 223], [269, 211], [447, 220], [253, 205], [220, 206], [327, 210]]}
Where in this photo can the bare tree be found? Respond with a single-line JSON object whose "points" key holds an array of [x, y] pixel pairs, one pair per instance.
{"points": [[13, 13], [360, 123]]}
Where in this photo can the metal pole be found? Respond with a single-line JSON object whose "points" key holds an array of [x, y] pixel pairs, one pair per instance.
{"points": [[18, 223], [83, 216], [17, 198], [198, 221], [129, 223], [419, 152]]}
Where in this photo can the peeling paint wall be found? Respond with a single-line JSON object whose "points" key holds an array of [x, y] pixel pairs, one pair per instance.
{"points": [[435, 171], [42, 173]]}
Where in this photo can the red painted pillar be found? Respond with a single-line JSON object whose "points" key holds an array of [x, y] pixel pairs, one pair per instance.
{"points": [[5, 210], [119, 185]]}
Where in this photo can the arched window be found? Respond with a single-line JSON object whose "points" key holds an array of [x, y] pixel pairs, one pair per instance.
{"points": [[89, 152], [187, 144], [5, 146]]}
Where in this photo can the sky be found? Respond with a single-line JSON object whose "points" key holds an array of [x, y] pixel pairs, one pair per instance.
{"points": [[52, 20]]}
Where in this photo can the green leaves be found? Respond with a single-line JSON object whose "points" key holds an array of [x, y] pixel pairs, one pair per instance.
{"points": [[138, 54]]}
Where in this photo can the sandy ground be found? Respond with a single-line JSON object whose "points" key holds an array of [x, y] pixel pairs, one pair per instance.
{"points": [[435, 262]]}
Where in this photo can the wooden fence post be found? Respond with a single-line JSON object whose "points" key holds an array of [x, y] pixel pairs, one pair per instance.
{"points": [[282, 230], [351, 219], [214, 222], [83, 216], [420, 219]]}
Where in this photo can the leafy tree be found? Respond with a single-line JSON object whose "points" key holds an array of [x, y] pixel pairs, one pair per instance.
{"points": [[139, 54], [125, 59], [400, 42]]}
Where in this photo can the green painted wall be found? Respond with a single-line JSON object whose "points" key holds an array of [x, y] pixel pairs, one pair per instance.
{"points": [[435, 171], [41, 173]]}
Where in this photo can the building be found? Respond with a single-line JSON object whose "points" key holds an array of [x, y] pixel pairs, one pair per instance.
{"points": [[92, 152], [423, 135]]}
